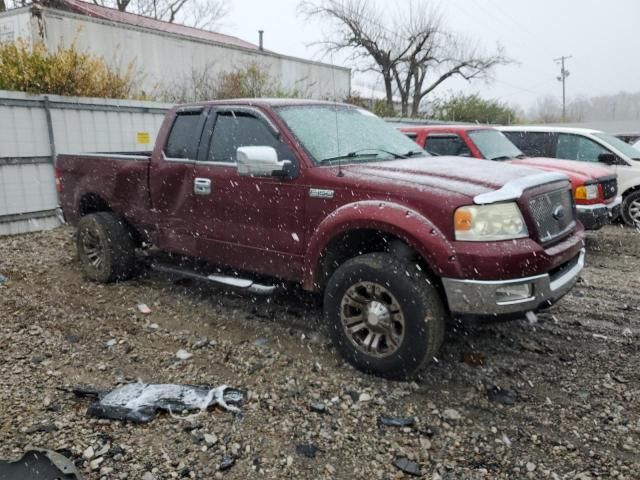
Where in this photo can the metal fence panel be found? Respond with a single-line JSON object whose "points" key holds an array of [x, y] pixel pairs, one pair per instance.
{"points": [[27, 185], [23, 131], [26, 188]]}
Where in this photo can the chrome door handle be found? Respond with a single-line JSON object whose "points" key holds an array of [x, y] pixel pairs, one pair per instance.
{"points": [[202, 186]]}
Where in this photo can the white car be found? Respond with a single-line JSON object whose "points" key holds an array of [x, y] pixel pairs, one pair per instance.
{"points": [[588, 146]]}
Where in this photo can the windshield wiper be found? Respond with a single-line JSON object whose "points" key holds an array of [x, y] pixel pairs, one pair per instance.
{"points": [[411, 153], [522, 155], [501, 157], [361, 153]]}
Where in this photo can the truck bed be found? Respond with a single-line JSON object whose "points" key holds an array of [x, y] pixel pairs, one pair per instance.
{"points": [[120, 177]]}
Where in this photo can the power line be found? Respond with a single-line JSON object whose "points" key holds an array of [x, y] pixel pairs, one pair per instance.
{"points": [[564, 73]]}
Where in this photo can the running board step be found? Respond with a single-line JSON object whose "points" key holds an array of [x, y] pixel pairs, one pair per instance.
{"points": [[244, 284]]}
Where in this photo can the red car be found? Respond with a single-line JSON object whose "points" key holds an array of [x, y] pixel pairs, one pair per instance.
{"points": [[595, 187], [332, 197]]}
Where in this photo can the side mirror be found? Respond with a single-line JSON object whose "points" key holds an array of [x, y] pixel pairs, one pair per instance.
{"points": [[608, 158], [260, 162]]}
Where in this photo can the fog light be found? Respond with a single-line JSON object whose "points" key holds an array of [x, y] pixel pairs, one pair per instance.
{"points": [[513, 293]]}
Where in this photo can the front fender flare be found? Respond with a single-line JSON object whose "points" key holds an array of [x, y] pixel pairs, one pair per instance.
{"points": [[403, 222]]}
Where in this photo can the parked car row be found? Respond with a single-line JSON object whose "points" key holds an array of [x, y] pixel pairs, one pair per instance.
{"points": [[594, 187], [591, 146], [261, 192]]}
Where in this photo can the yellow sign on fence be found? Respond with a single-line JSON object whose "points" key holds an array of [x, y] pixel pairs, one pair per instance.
{"points": [[143, 138]]}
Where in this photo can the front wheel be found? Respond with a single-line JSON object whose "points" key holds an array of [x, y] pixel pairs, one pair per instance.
{"points": [[105, 247], [384, 315], [631, 209]]}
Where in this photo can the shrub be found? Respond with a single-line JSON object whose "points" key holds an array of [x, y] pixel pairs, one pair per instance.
{"points": [[249, 81], [65, 71], [473, 108]]}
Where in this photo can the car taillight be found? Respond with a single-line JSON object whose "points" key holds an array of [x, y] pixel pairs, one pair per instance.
{"points": [[58, 181]]}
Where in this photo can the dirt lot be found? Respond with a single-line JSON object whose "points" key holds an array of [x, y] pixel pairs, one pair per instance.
{"points": [[573, 378]]}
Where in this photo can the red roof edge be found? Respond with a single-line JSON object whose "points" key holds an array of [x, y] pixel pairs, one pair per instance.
{"points": [[132, 19]]}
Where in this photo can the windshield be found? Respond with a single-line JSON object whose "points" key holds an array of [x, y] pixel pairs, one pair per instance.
{"points": [[339, 133], [494, 145], [618, 144]]}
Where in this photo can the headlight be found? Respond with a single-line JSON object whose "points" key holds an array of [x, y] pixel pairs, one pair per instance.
{"points": [[483, 223], [587, 192]]}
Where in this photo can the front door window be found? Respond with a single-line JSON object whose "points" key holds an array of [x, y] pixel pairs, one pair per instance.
{"points": [[576, 147]]}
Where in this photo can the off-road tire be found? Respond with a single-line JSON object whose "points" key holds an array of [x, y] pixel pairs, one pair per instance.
{"points": [[631, 201], [106, 248], [421, 306]]}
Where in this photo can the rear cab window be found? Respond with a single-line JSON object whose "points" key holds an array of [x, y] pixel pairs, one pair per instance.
{"points": [[184, 137]]}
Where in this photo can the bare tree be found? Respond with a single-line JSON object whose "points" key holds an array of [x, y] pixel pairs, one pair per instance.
{"points": [[410, 49], [204, 14], [547, 109], [360, 30]]}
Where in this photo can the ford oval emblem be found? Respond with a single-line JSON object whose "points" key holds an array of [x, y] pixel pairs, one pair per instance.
{"points": [[558, 212]]}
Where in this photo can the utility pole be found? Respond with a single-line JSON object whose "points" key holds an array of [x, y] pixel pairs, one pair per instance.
{"points": [[564, 73]]}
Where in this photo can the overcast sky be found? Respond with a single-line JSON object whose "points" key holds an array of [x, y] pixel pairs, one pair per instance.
{"points": [[601, 36]]}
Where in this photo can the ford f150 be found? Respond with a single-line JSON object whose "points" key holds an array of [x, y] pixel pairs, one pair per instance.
{"points": [[332, 197]]}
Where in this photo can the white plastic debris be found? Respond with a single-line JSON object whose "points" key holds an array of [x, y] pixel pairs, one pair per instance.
{"points": [[143, 308], [183, 355], [451, 414], [295, 237], [532, 317], [139, 402], [88, 454], [364, 397]]}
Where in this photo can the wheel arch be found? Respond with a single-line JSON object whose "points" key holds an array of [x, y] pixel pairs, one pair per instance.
{"points": [[625, 195], [630, 190], [92, 203], [374, 226]]}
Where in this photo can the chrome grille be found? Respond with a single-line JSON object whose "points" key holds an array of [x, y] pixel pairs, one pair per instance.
{"points": [[553, 214], [610, 188]]}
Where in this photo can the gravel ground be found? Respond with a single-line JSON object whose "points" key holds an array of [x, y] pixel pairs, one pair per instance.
{"points": [[569, 408]]}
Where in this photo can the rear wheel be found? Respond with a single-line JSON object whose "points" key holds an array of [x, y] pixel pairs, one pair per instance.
{"points": [[384, 315], [631, 209], [105, 247]]}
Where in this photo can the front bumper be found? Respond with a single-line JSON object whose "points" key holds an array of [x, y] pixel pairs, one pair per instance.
{"points": [[597, 216], [482, 297]]}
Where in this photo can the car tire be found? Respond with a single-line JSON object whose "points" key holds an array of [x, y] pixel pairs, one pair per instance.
{"points": [[106, 248], [631, 209], [378, 295]]}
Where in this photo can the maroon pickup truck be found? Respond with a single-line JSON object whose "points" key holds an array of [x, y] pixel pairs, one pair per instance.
{"points": [[332, 197]]}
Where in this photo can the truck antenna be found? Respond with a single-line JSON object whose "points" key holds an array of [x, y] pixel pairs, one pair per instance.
{"points": [[335, 108]]}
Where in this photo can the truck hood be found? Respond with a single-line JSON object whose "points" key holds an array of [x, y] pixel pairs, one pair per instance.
{"points": [[464, 176], [578, 172]]}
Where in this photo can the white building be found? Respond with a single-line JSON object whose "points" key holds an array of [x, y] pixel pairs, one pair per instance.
{"points": [[163, 52]]}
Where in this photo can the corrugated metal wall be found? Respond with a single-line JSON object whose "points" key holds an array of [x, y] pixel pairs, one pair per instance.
{"points": [[33, 128]]}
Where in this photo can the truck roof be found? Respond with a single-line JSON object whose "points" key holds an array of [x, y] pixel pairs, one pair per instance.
{"points": [[547, 128], [446, 128], [268, 102]]}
